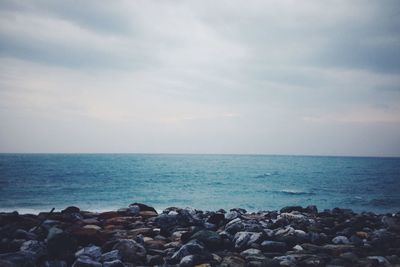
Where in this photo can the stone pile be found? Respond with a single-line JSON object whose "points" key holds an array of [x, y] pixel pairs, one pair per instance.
{"points": [[139, 236]]}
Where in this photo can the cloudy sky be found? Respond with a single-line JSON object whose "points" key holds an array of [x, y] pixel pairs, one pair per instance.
{"points": [[270, 77]]}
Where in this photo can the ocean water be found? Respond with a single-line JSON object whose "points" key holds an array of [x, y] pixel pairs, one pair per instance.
{"points": [[38, 182]]}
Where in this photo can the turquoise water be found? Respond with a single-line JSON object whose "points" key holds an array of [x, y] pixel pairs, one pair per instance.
{"points": [[254, 182]]}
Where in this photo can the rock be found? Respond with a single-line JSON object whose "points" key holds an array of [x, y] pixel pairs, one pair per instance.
{"points": [[4, 263], [142, 207], [289, 209], [192, 247], [61, 246], [273, 246], [115, 263], [148, 214], [231, 215], [233, 261], [20, 259], [209, 238], [54, 263], [245, 239], [380, 260], [194, 260], [349, 256], [253, 254], [130, 250], [70, 209], [111, 256], [53, 231], [340, 240], [391, 223], [154, 260], [85, 261], [36, 247], [92, 252], [22, 234], [216, 218]]}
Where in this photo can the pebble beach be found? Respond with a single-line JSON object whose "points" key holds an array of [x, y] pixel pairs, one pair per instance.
{"points": [[140, 236]]}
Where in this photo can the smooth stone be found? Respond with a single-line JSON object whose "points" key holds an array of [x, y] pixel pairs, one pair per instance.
{"points": [[233, 261], [54, 263], [34, 246], [61, 246], [148, 214], [195, 260], [130, 250], [289, 209], [192, 247], [114, 263], [20, 258], [245, 239], [231, 215], [273, 246], [110, 256], [94, 252], [92, 226], [216, 218], [380, 259], [209, 238], [86, 261], [143, 207], [154, 260], [53, 231], [22, 234], [253, 254], [340, 240]]}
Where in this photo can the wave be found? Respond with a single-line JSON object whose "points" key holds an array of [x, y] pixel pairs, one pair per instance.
{"points": [[290, 192], [264, 175]]}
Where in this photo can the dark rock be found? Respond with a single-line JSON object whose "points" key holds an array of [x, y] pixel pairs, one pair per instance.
{"points": [[340, 240], [209, 238], [61, 246], [70, 209], [33, 246], [143, 207], [20, 259], [246, 239], [192, 247], [110, 256], [216, 218], [154, 260], [92, 252], [115, 263], [239, 210], [289, 209], [85, 261], [130, 250], [232, 215], [252, 254], [193, 260], [233, 261], [273, 246], [54, 263], [22, 234]]}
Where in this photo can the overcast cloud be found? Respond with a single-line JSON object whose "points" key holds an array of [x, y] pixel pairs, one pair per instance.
{"points": [[273, 77]]}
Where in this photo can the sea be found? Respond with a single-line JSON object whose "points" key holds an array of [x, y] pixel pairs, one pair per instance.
{"points": [[30, 183]]}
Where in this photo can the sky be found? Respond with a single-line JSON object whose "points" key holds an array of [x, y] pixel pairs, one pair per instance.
{"points": [[244, 77]]}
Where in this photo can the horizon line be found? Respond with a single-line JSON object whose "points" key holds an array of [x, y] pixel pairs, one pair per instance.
{"points": [[199, 154]]}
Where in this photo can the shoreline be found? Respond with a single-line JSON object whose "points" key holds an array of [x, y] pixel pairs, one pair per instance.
{"points": [[140, 235]]}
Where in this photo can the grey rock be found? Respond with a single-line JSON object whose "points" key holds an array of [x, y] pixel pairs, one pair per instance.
{"points": [[54, 263], [192, 247], [245, 239], [232, 261], [86, 261], [130, 250], [34, 246], [273, 246], [209, 238], [20, 259], [340, 240], [111, 256], [94, 252], [114, 263], [154, 260]]}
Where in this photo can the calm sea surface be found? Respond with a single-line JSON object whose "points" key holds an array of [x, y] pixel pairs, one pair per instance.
{"points": [[32, 182]]}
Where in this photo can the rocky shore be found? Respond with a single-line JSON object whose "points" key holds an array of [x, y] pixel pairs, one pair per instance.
{"points": [[139, 236]]}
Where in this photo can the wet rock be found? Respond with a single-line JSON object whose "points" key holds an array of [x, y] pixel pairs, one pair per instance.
{"points": [[190, 248], [148, 214], [114, 263], [85, 261], [20, 259], [231, 215], [289, 209], [245, 239], [61, 246], [233, 261], [70, 209], [154, 260], [216, 218], [209, 238], [110, 256], [195, 260], [130, 250], [340, 240], [53, 263], [142, 207], [22, 234], [253, 254], [273, 246], [36, 247], [92, 252]]}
